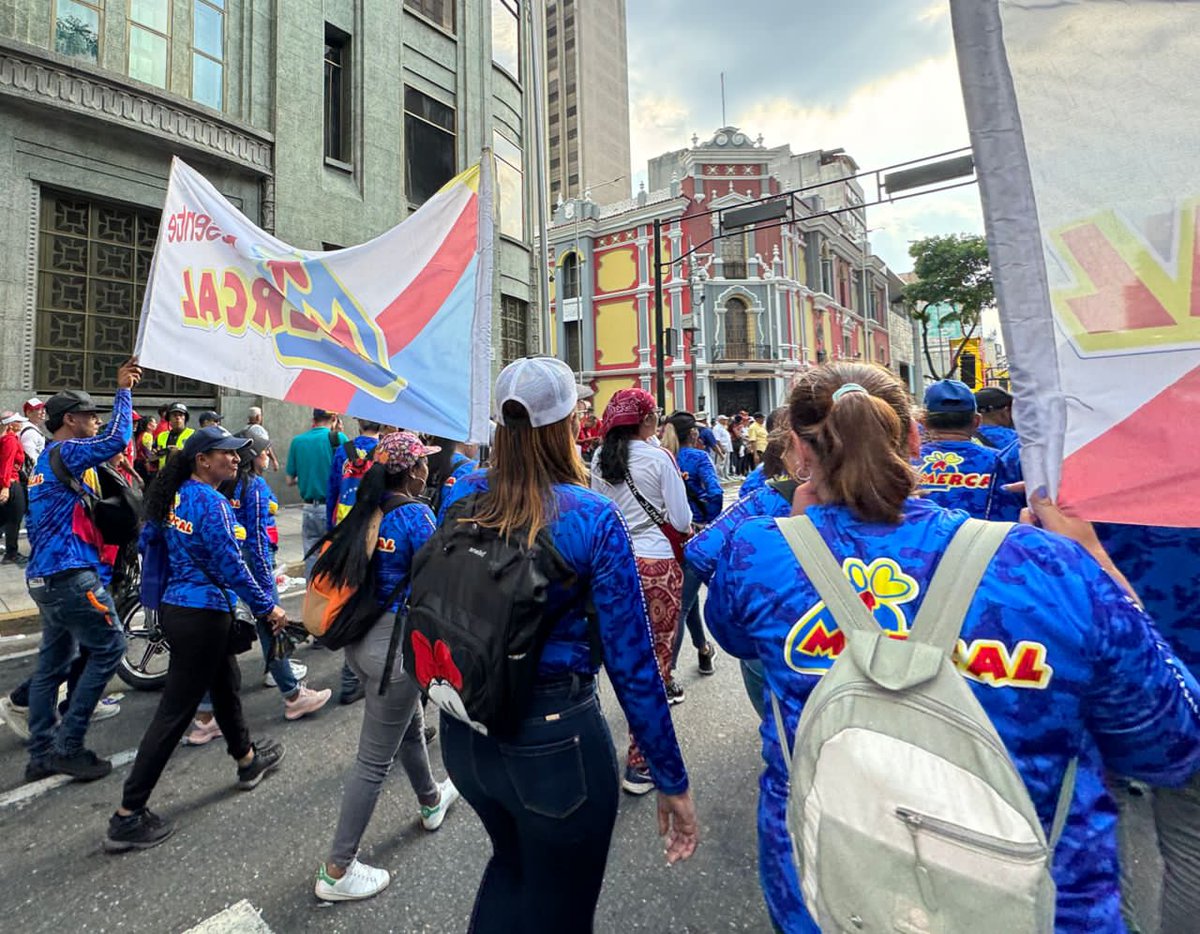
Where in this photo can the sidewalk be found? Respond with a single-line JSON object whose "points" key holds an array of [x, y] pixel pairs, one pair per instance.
{"points": [[19, 615]]}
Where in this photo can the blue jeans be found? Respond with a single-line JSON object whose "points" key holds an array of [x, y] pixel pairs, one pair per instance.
{"points": [[755, 682], [77, 611], [312, 529], [547, 797], [689, 615]]}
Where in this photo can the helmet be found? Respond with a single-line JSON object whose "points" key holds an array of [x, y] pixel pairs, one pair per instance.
{"points": [[177, 407]]}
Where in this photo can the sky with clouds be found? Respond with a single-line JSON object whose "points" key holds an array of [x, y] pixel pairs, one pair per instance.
{"points": [[875, 77]]}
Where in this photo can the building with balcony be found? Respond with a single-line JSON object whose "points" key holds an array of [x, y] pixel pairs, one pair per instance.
{"points": [[326, 123], [744, 312]]}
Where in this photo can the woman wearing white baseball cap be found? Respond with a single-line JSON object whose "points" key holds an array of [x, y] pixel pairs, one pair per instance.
{"points": [[547, 794]]}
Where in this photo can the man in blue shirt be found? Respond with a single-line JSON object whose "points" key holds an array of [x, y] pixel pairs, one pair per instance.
{"points": [[364, 445], [67, 579], [310, 457], [957, 472], [995, 417]]}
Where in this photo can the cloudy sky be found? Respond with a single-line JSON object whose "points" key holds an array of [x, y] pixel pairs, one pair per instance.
{"points": [[875, 77]]}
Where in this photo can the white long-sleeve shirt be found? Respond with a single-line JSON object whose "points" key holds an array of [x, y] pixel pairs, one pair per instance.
{"points": [[658, 480], [33, 442]]}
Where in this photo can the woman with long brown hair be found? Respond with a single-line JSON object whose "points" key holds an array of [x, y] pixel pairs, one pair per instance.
{"points": [[547, 794], [1053, 646]]}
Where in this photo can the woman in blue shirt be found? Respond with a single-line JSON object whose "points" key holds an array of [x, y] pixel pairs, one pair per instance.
{"points": [[207, 575], [547, 795], [392, 721], [1064, 663], [705, 497]]}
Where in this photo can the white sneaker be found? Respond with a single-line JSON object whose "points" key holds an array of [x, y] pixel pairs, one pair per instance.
{"points": [[298, 672], [16, 717], [105, 710], [360, 881], [431, 818]]}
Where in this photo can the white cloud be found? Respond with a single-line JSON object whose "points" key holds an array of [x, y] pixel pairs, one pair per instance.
{"points": [[936, 11], [910, 114]]}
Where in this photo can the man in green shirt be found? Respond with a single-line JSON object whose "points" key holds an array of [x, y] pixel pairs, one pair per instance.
{"points": [[309, 458]]}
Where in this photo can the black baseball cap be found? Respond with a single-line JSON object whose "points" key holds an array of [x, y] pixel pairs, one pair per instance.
{"points": [[212, 438], [72, 400], [991, 398], [210, 416]]}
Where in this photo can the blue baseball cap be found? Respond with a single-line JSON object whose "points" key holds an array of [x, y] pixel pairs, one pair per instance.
{"points": [[949, 396], [212, 438]]}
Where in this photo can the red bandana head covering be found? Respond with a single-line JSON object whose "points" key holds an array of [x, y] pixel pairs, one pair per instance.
{"points": [[628, 407]]}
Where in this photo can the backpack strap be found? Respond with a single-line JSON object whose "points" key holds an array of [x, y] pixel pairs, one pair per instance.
{"points": [[1063, 808], [957, 577], [67, 479], [825, 574]]}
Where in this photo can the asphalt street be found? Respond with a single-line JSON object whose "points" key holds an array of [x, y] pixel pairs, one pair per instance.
{"points": [[265, 845]]}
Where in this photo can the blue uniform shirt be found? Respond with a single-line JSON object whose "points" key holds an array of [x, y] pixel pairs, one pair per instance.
{"points": [[252, 509], [705, 549], [203, 535], [705, 495], [56, 515], [755, 480], [966, 475], [403, 531], [997, 436], [1062, 661], [364, 445], [1163, 566], [589, 533]]}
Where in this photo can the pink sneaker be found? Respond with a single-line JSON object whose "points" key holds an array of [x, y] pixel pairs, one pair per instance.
{"points": [[305, 702], [202, 733]]}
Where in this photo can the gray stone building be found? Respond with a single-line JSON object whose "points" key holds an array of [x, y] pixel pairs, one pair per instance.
{"points": [[324, 122]]}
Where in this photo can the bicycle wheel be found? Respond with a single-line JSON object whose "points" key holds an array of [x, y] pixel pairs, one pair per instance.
{"points": [[147, 654]]}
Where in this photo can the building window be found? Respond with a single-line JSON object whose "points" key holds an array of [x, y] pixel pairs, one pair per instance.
{"points": [[510, 187], [208, 53], [733, 256], [337, 95], [440, 11], [429, 146], [514, 329], [573, 345], [77, 29], [149, 40], [506, 36], [93, 263], [737, 330], [570, 275]]}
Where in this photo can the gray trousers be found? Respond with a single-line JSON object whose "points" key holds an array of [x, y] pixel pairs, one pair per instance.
{"points": [[312, 528], [391, 723], [1160, 827]]}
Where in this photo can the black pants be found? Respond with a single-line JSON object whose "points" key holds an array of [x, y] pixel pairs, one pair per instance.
{"points": [[13, 512], [548, 799], [200, 662]]}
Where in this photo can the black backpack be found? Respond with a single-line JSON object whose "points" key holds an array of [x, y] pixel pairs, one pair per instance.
{"points": [[478, 618], [117, 511]]}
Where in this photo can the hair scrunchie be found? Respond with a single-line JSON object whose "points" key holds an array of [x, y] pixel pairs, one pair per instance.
{"points": [[845, 389]]}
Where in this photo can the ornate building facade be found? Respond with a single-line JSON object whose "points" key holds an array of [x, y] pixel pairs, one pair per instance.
{"points": [[744, 310]]}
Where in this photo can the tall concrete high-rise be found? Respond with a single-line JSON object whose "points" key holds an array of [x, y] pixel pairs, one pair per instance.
{"points": [[587, 94]]}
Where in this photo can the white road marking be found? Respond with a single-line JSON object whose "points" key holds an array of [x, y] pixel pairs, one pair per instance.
{"points": [[21, 796]]}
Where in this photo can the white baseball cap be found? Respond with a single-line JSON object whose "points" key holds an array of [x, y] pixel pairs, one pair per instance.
{"points": [[545, 386]]}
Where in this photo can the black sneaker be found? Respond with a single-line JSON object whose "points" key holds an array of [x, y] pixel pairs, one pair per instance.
{"points": [[352, 697], [706, 656], [83, 766], [139, 831], [37, 769], [266, 759], [674, 692]]}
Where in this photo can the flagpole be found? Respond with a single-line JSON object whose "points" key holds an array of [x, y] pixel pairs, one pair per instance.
{"points": [[536, 32]]}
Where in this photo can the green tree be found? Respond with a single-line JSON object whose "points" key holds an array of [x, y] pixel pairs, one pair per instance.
{"points": [[954, 276], [76, 38]]}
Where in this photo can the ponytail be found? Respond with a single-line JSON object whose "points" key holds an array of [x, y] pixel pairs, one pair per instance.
{"points": [[345, 562], [859, 438], [614, 453], [160, 495]]}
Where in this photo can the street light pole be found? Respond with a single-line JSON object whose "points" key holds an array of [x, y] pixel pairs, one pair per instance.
{"points": [[659, 361]]}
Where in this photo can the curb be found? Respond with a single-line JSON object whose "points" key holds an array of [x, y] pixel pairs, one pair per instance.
{"points": [[25, 621]]}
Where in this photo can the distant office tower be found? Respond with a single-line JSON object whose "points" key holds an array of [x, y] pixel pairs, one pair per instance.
{"points": [[588, 97]]}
